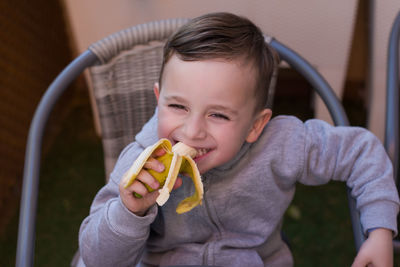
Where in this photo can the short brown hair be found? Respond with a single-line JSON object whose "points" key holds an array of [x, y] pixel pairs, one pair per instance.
{"points": [[224, 36]]}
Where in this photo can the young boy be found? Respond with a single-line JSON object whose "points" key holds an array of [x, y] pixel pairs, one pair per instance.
{"points": [[211, 95]]}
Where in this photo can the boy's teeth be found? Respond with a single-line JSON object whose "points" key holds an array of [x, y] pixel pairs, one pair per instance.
{"points": [[201, 151]]}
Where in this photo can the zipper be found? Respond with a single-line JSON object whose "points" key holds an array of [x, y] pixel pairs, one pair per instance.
{"points": [[212, 220]]}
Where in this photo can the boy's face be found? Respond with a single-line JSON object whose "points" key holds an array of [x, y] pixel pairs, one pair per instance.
{"points": [[209, 105]]}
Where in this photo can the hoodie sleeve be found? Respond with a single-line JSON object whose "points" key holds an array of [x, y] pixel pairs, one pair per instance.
{"points": [[355, 156], [112, 235]]}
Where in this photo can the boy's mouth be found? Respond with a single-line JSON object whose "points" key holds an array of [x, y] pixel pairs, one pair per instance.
{"points": [[201, 153]]}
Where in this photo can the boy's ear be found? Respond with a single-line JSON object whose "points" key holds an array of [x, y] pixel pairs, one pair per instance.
{"points": [[259, 123], [156, 90]]}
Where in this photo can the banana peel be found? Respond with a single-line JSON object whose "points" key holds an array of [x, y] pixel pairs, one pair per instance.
{"points": [[177, 159]]}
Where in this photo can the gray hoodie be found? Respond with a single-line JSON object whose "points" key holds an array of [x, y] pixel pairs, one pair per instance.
{"points": [[240, 219]]}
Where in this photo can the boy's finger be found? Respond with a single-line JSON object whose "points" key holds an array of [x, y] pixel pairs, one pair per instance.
{"points": [[178, 183], [159, 152], [138, 205], [154, 164], [148, 179], [137, 187]]}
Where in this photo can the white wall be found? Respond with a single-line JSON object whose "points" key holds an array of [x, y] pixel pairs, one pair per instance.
{"points": [[320, 30]]}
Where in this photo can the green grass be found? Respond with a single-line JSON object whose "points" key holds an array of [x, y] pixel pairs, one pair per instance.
{"points": [[318, 226], [71, 173], [320, 234]]}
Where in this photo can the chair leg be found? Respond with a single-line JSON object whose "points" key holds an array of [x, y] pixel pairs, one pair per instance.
{"points": [[396, 246]]}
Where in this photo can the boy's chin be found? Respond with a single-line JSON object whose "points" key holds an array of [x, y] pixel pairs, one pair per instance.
{"points": [[203, 169], [206, 167]]}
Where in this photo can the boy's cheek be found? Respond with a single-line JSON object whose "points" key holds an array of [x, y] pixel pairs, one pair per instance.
{"points": [[167, 120], [163, 128], [161, 124]]}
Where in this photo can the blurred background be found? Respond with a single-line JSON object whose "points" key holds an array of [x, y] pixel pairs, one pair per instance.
{"points": [[346, 40]]}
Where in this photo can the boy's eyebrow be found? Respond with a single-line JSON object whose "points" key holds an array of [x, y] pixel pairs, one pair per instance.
{"points": [[175, 98]]}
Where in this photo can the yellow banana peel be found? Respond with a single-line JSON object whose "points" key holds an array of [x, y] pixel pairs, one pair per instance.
{"points": [[177, 159]]}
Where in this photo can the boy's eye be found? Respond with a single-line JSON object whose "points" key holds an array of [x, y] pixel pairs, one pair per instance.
{"points": [[220, 116], [176, 106]]}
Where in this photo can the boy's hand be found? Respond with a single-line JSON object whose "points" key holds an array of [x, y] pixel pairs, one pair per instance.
{"points": [[137, 205], [377, 250]]}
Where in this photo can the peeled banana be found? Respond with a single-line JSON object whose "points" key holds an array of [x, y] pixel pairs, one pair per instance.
{"points": [[177, 159]]}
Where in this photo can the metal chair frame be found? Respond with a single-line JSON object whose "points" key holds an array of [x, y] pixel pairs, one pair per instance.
{"points": [[391, 141]]}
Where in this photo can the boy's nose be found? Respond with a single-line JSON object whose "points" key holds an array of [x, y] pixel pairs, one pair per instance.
{"points": [[194, 128]]}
